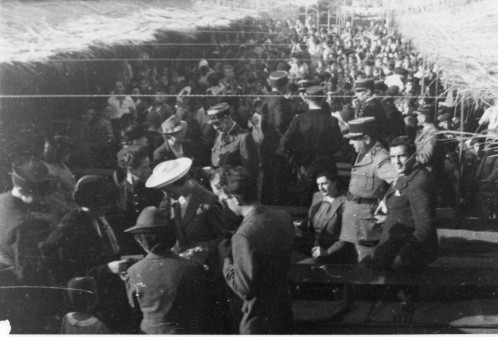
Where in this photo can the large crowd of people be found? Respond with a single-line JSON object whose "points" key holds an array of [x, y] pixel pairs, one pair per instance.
{"points": [[179, 239]]}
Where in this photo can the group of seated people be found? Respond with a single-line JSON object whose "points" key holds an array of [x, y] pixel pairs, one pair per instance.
{"points": [[178, 240]]}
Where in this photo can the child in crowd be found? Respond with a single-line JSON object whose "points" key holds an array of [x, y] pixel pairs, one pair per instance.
{"points": [[83, 297]]}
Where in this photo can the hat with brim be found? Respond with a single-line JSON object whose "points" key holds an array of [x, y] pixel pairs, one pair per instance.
{"points": [[168, 172], [218, 112], [362, 85], [93, 191], [150, 220], [173, 125], [361, 126], [33, 176]]}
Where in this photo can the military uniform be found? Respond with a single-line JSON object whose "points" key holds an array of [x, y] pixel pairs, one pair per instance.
{"points": [[236, 147], [370, 178]]}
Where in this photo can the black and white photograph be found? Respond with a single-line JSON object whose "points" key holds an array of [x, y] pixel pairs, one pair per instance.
{"points": [[225, 167]]}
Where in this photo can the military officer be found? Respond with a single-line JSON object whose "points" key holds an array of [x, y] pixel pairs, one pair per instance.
{"points": [[368, 105], [233, 145], [371, 175]]}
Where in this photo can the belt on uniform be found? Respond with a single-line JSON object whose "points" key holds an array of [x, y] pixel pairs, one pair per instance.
{"points": [[360, 200]]}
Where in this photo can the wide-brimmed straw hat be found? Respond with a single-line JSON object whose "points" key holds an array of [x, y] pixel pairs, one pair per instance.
{"points": [[173, 125], [168, 172]]}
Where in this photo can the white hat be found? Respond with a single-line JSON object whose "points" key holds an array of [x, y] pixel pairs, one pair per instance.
{"points": [[168, 172], [203, 63], [173, 125]]}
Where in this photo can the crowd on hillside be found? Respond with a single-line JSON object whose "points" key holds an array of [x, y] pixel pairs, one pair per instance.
{"points": [[178, 239]]}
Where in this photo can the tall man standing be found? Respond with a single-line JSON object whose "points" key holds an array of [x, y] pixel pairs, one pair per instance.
{"points": [[370, 175], [256, 261], [276, 116]]}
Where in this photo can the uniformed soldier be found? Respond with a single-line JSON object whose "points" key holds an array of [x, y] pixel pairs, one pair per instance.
{"points": [[368, 105], [233, 145], [371, 175]]}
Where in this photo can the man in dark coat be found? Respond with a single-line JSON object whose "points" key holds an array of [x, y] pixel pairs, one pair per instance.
{"points": [[22, 228], [395, 126], [312, 135], [276, 115], [256, 261], [170, 290], [409, 237], [368, 105]]}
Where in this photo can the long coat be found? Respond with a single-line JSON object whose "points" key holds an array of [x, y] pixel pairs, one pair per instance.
{"points": [[276, 115], [311, 135], [409, 230], [170, 291], [257, 271]]}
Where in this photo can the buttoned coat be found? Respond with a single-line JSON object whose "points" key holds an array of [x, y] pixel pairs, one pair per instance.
{"points": [[327, 233], [314, 134], [236, 148], [171, 292], [257, 271], [276, 114], [410, 219]]}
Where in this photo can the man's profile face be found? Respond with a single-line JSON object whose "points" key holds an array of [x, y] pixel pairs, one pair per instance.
{"points": [[143, 171], [401, 159], [119, 88], [361, 95], [360, 144], [221, 125]]}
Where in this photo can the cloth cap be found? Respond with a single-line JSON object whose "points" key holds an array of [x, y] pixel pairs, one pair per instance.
{"points": [[173, 125], [218, 112], [33, 175], [362, 126], [150, 220], [380, 85], [94, 191], [278, 78], [361, 85], [168, 172]]}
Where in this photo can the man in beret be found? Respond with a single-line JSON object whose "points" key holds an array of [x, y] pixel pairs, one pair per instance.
{"points": [[233, 145], [276, 116], [21, 230], [371, 174], [368, 105], [312, 135]]}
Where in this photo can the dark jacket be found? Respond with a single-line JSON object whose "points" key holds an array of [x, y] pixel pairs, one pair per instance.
{"points": [[276, 114], [328, 233], [314, 134], [395, 125], [411, 213], [170, 291], [257, 271], [75, 248], [372, 108], [20, 234]]}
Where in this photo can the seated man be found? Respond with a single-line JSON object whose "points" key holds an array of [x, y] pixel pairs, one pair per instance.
{"points": [[170, 290], [409, 237], [322, 228]]}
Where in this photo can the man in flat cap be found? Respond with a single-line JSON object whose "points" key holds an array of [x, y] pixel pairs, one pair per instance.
{"points": [[368, 105], [371, 175], [21, 231], [276, 116], [312, 135], [233, 145]]}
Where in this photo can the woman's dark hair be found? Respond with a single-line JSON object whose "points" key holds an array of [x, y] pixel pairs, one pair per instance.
{"points": [[238, 182], [58, 147], [405, 141], [131, 157]]}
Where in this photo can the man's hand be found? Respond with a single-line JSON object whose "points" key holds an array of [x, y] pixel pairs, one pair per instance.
{"points": [[382, 208], [225, 249], [317, 252], [117, 267]]}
